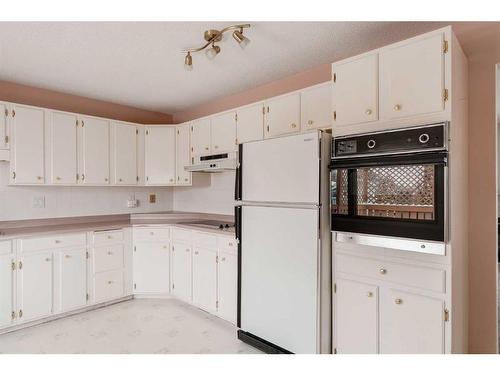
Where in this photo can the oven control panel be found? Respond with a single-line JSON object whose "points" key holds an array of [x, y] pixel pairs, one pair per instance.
{"points": [[393, 141]]}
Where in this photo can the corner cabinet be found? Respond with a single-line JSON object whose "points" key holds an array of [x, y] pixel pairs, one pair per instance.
{"points": [[95, 157], [160, 163], [282, 115], [183, 154]]}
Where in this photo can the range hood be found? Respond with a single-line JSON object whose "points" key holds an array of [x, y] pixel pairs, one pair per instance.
{"points": [[214, 163]]}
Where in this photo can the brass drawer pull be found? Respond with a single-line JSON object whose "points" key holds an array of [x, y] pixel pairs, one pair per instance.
{"points": [[397, 107], [398, 301], [383, 271], [369, 294], [67, 256]]}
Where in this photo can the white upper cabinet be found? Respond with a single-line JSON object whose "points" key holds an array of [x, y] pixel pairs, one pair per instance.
{"points": [[7, 308], [160, 155], [63, 147], [250, 123], [28, 142], [125, 153], [95, 147], [355, 90], [316, 107], [282, 115], [205, 279], [223, 132], [412, 78], [182, 147], [4, 114], [200, 137], [73, 280]]}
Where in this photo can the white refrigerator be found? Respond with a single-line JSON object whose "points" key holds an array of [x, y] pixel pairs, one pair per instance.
{"points": [[283, 231]]}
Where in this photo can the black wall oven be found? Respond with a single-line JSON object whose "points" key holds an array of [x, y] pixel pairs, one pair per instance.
{"points": [[391, 183]]}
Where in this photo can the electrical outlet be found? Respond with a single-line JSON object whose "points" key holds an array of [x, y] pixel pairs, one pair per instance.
{"points": [[39, 202], [132, 202], [152, 198]]}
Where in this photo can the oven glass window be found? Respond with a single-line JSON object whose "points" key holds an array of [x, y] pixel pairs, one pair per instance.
{"points": [[399, 192]]}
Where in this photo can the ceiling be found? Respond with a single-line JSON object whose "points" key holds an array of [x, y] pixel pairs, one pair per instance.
{"points": [[140, 63]]}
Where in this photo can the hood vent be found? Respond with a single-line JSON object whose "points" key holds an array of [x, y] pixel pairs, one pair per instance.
{"points": [[214, 163]]}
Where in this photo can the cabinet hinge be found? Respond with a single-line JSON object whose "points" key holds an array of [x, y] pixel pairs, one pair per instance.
{"points": [[267, 128], [20, 265], [334, 115], [446, 315], [20, 313], [87, 296], [147, 132], [135, 286], [83, 177], [6, 139], [445, 95], [335, 351], [173, 247], [137, 131], [13, 266], [147, 178], [445, 46], [77, 177], [334, 77], [6, 112], [173, 286], [13, 315], [335, 288], [76, 122], [235, 117], [216, 259], [191, 129], [263, 110], [135, 248], [178, 132], [13, 113], [86, 255], [13, 175], [83, 123], [217, 304], [137, 178]]}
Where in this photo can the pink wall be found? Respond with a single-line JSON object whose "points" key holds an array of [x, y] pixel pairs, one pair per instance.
{"points": [[295, 82], [17, 93]]}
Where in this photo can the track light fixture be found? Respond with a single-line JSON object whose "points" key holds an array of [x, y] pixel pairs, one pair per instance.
{"points": [[214, 36]]}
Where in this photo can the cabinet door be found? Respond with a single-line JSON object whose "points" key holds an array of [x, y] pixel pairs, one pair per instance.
{"points": [[151, 268], [410, 323], [205, 279], [6, 290], [223, 132], [160, 155], [181, 271], [356, 317], [125, 154], [316, 107], [34, 285], [63, 154], [250, 123], [183, 154], [4, 114], [227, 286], [73, 279], [282, 115], [412, 78], [95, 151], [200, 137], [27, 154], [355, 91]]}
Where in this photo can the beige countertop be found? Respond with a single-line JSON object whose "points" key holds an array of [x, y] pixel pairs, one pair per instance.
{"points": [[40, 227]]}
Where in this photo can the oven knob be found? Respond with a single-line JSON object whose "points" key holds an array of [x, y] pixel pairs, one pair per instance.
{"points": [[424, 138], [371, 143]]}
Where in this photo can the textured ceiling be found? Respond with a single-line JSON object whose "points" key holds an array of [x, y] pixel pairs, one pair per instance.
{"points": [[140, 64]]}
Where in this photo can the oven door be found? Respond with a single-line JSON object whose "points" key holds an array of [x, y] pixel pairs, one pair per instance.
{"points": [[397, 195]]}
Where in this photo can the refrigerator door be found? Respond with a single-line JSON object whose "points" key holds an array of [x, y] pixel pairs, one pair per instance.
{"points": [[281, 170], [279, 276]]}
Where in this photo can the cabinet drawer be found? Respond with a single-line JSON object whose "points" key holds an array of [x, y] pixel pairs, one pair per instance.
{"points": [[109, 236], [108, 258], [205, 240], [183, 235], [108, 285], [227, 243], [5, 247], [410, 275], [151, 234], [53, 242]]}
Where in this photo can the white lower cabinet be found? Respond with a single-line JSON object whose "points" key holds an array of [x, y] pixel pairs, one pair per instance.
{"points": [[35, 285], [227, 285], [152, 267], [7, 285], [205, 279], [108, 285], [73, 279], [356, 317], [181, 271]]}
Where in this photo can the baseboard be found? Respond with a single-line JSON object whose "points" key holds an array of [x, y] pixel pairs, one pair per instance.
{"points": [[153, 295]]}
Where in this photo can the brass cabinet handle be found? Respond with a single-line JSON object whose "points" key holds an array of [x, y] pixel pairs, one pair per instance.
{"points": [[58, 178], [110, 282], [39, 178], [206, 148], [397, 107], [383, 271], [171, 180], [398, 301], [369, 294], [110, 253], [67, 256], [20, 313], [186, 179], [120, 180], [310, 122], [13, 315], [368, 112], [293, 125], [106, 179]]}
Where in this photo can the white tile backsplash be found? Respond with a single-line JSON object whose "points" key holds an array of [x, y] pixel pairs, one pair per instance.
{"points": [[16, 202]]}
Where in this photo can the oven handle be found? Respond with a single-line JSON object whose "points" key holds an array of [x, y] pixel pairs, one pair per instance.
{"points": [[437, 158]]}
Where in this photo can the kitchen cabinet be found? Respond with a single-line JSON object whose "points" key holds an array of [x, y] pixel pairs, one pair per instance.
{"points": [[205, 279], [183, 154], [35, 285], [355, 90], [412, 78], [250, 123], [227, 285], [125, 153], [160, 155], [95, 146], [27, 164], [73, 278], [356, 317], [411, 323], [181, 271], [7, 285], [200, 137], [108, 286], [63, 148], [316, 107], [151, 267], [282, 115], [223, 132], [4, 115]]}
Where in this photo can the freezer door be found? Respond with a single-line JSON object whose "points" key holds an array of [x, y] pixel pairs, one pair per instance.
{"points": [[284, 170], [279, 276]]}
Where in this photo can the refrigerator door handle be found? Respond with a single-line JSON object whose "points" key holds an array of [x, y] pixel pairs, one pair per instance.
{"points": [[237, 183]]}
